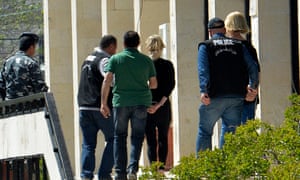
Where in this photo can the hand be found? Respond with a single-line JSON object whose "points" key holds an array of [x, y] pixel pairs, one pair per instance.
{"points": [[105, 111], [251, 94], [205, 99], [152, 109]]}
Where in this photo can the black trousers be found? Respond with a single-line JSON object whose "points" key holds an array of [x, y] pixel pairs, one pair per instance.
{"points": [[158, 142]]}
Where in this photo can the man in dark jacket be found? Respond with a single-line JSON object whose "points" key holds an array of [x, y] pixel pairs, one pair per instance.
{"points": [[91, 120]]}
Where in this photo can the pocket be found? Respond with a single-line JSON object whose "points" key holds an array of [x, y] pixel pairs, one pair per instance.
{"points": [[141, 112]]}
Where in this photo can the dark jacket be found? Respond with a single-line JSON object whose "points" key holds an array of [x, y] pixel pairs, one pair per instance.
{"points": [[253, 53], [165, 79], [89, 92], [21, 76], [228, 70]]}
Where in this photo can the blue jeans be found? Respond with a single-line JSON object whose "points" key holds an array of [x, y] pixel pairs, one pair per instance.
{"points": [[137, 115], [229, 109], [91, 122], [248, 113]]}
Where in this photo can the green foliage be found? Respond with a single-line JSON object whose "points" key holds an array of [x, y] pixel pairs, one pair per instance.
{"points": [[152, 172], [256, 151], [20, 12], [292, 113]]}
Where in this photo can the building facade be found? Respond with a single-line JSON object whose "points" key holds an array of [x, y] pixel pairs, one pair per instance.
{"points": [[73, 29]]}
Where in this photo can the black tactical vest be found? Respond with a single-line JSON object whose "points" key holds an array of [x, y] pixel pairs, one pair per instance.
{"points": [[227, 68], [89, 92]]}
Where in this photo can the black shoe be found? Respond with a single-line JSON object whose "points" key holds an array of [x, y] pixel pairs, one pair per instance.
{"points": [[105, 178]]}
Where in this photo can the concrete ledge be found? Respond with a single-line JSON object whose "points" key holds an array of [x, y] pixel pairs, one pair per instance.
{"points": [[37, 133]]}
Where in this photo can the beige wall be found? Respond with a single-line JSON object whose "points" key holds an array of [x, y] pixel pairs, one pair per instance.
{"points": [[117, 18], [220, 8], [147, 19]]}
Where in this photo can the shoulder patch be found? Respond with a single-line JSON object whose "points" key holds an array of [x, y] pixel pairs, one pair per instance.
{"points": [[90, 58]]}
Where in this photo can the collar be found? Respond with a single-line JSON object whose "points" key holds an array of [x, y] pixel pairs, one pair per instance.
{"points": [[134, 50], [99, 50], [217, 35]]}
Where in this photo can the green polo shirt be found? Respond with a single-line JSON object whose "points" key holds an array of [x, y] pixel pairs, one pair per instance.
{"points": [[132, 70]]}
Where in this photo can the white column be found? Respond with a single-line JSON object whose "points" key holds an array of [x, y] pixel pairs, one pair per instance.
{"points": [[270, 35], [186, 29], [58, 65]]}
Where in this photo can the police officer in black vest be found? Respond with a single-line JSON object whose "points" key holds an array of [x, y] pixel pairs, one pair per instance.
{"points": [[223, 65], [91, 120]]}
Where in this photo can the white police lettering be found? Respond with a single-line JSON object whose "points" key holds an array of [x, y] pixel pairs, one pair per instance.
{"points": [[218, 42], [225, 46], [228, 50], [223, 42]]}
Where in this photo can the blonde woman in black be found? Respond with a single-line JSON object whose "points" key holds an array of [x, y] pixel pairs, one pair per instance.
{"points": [[159, 114], [237, 28]]}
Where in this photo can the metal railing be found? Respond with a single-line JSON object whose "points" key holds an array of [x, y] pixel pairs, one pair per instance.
{"points": [[14, 168], [24, 168], [22, 105]]}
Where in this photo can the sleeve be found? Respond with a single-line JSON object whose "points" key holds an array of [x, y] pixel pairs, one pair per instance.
{"points": [[252, 68], [169, 78], [2, 84], [37, 81], [102, 64], [110, 67], [203, 68], [253, 53], [152, 71]]}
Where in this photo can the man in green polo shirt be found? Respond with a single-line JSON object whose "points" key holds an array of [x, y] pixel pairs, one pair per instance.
{"points": [[134, 75]]}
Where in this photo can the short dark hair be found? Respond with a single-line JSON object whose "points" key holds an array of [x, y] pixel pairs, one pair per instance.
{"points": [[107, 40], [27, 39], [131, 39]]}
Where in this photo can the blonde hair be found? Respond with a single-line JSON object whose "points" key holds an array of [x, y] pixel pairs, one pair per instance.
{"points": [[154, 42], [236, 21]]}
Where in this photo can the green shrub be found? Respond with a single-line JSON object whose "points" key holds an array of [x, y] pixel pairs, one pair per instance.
{"points": [[152, 172], [257, 150]]}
